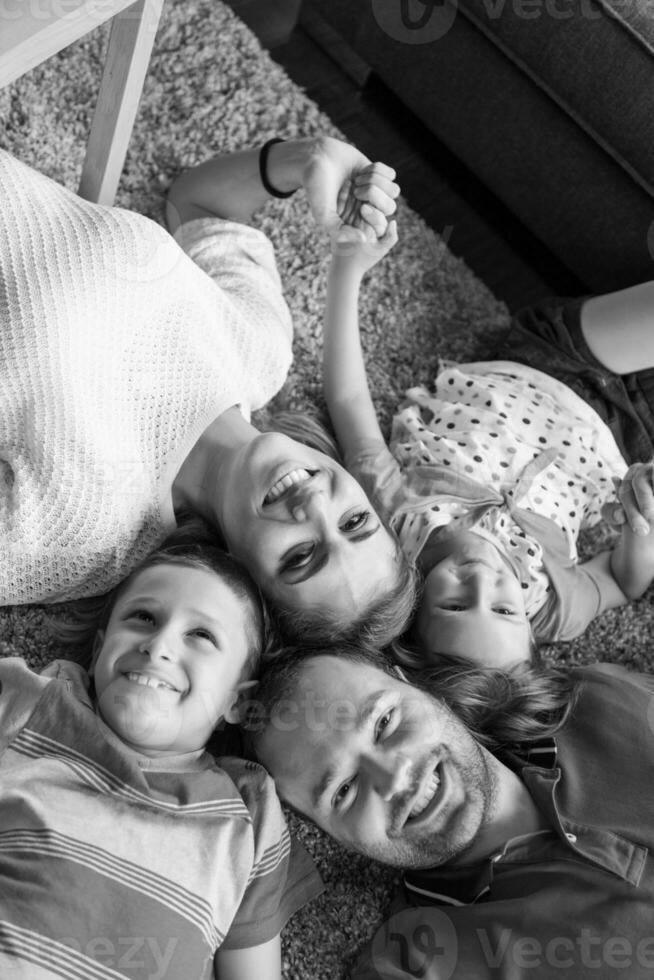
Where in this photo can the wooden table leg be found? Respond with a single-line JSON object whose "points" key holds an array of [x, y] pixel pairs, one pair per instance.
{"points": [[128, 54]]}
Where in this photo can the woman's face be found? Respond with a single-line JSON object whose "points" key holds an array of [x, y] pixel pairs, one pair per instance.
{"points": [[304, 528]]}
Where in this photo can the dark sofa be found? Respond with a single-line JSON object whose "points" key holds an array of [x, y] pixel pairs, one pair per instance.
{"points": [[549, 102]]}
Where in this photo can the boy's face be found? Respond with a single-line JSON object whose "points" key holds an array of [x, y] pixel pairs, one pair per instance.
{"points": [[473, 605], [168, 665]]}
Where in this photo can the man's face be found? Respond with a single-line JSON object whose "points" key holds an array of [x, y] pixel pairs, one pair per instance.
{"points": [[379, 765]]}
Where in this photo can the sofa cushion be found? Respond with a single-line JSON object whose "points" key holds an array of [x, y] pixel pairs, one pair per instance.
{"points": [[593, 58], [552, 113]]}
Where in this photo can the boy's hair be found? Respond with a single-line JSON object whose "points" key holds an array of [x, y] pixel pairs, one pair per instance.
{"points": [[192, 545], [503, 709], [388, 615]]}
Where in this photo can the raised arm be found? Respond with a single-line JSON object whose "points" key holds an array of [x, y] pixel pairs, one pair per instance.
{"points": [[345, 382], [230, 186]]}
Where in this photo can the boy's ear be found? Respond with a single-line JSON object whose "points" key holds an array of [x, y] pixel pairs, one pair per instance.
{"points": [[98, 640], [239, 696]]}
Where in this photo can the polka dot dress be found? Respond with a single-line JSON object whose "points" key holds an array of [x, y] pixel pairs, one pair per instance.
{"points": [[489, 421]]}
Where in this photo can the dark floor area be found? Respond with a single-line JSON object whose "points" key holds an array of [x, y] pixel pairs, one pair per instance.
{"points": [[515, 266]]}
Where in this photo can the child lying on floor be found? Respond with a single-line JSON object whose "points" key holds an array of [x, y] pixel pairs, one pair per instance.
{"points": [[126, 849], [492, 477]]}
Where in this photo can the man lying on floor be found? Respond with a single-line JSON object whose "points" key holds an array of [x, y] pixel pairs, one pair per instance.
{"points": [[525, 831]]}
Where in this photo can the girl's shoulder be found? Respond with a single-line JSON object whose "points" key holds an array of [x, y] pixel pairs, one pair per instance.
{"points": [[373, 466]]}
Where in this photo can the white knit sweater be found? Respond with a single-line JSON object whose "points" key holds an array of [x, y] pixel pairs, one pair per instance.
{"points": [[116, 351]]}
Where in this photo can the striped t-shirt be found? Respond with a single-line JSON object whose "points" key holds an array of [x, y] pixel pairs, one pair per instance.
{"points": [[116, 865]]}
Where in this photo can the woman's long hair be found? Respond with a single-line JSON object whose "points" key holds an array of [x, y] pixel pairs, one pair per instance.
{"points": [[378, 624], [310, 428]]}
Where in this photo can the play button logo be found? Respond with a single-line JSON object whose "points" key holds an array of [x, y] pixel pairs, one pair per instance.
{"points": [[416, 942], [415, 21]]}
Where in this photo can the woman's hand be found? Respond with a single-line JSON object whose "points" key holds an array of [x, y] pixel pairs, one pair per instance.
{"points": [[344, 188], [635, 499], [337, 177]]}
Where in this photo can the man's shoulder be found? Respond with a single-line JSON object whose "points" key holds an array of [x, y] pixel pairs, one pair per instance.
{"points": [[606, 740], [611, 681]]}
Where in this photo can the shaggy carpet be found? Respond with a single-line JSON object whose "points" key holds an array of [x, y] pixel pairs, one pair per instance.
{"points": [[211, 88]]}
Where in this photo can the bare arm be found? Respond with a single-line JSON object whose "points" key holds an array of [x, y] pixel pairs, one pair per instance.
{"points": [[636, 499], [262, 962], [601, 568], [618, 328], [230, 186], [345, 382], [632, 561]]}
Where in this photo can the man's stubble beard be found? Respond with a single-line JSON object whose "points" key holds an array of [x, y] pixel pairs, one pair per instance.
{"points": [[480, 779]]}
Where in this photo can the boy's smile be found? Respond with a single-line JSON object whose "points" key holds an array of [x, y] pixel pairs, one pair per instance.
{"points": [[149, 680], [168, 665]]}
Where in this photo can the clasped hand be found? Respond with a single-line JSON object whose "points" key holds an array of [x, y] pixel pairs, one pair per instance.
{"points": [[635, 504], [344, 188]]}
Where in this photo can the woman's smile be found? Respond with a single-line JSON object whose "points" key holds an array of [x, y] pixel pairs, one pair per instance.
{"points": [[281, 486]]}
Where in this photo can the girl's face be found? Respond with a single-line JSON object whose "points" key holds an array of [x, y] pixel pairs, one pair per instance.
{"points": [[168, 665], [305, 528], [472, 605]]}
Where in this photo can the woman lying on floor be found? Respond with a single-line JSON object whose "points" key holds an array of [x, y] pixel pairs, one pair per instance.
{"points": [[130, 361]]}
